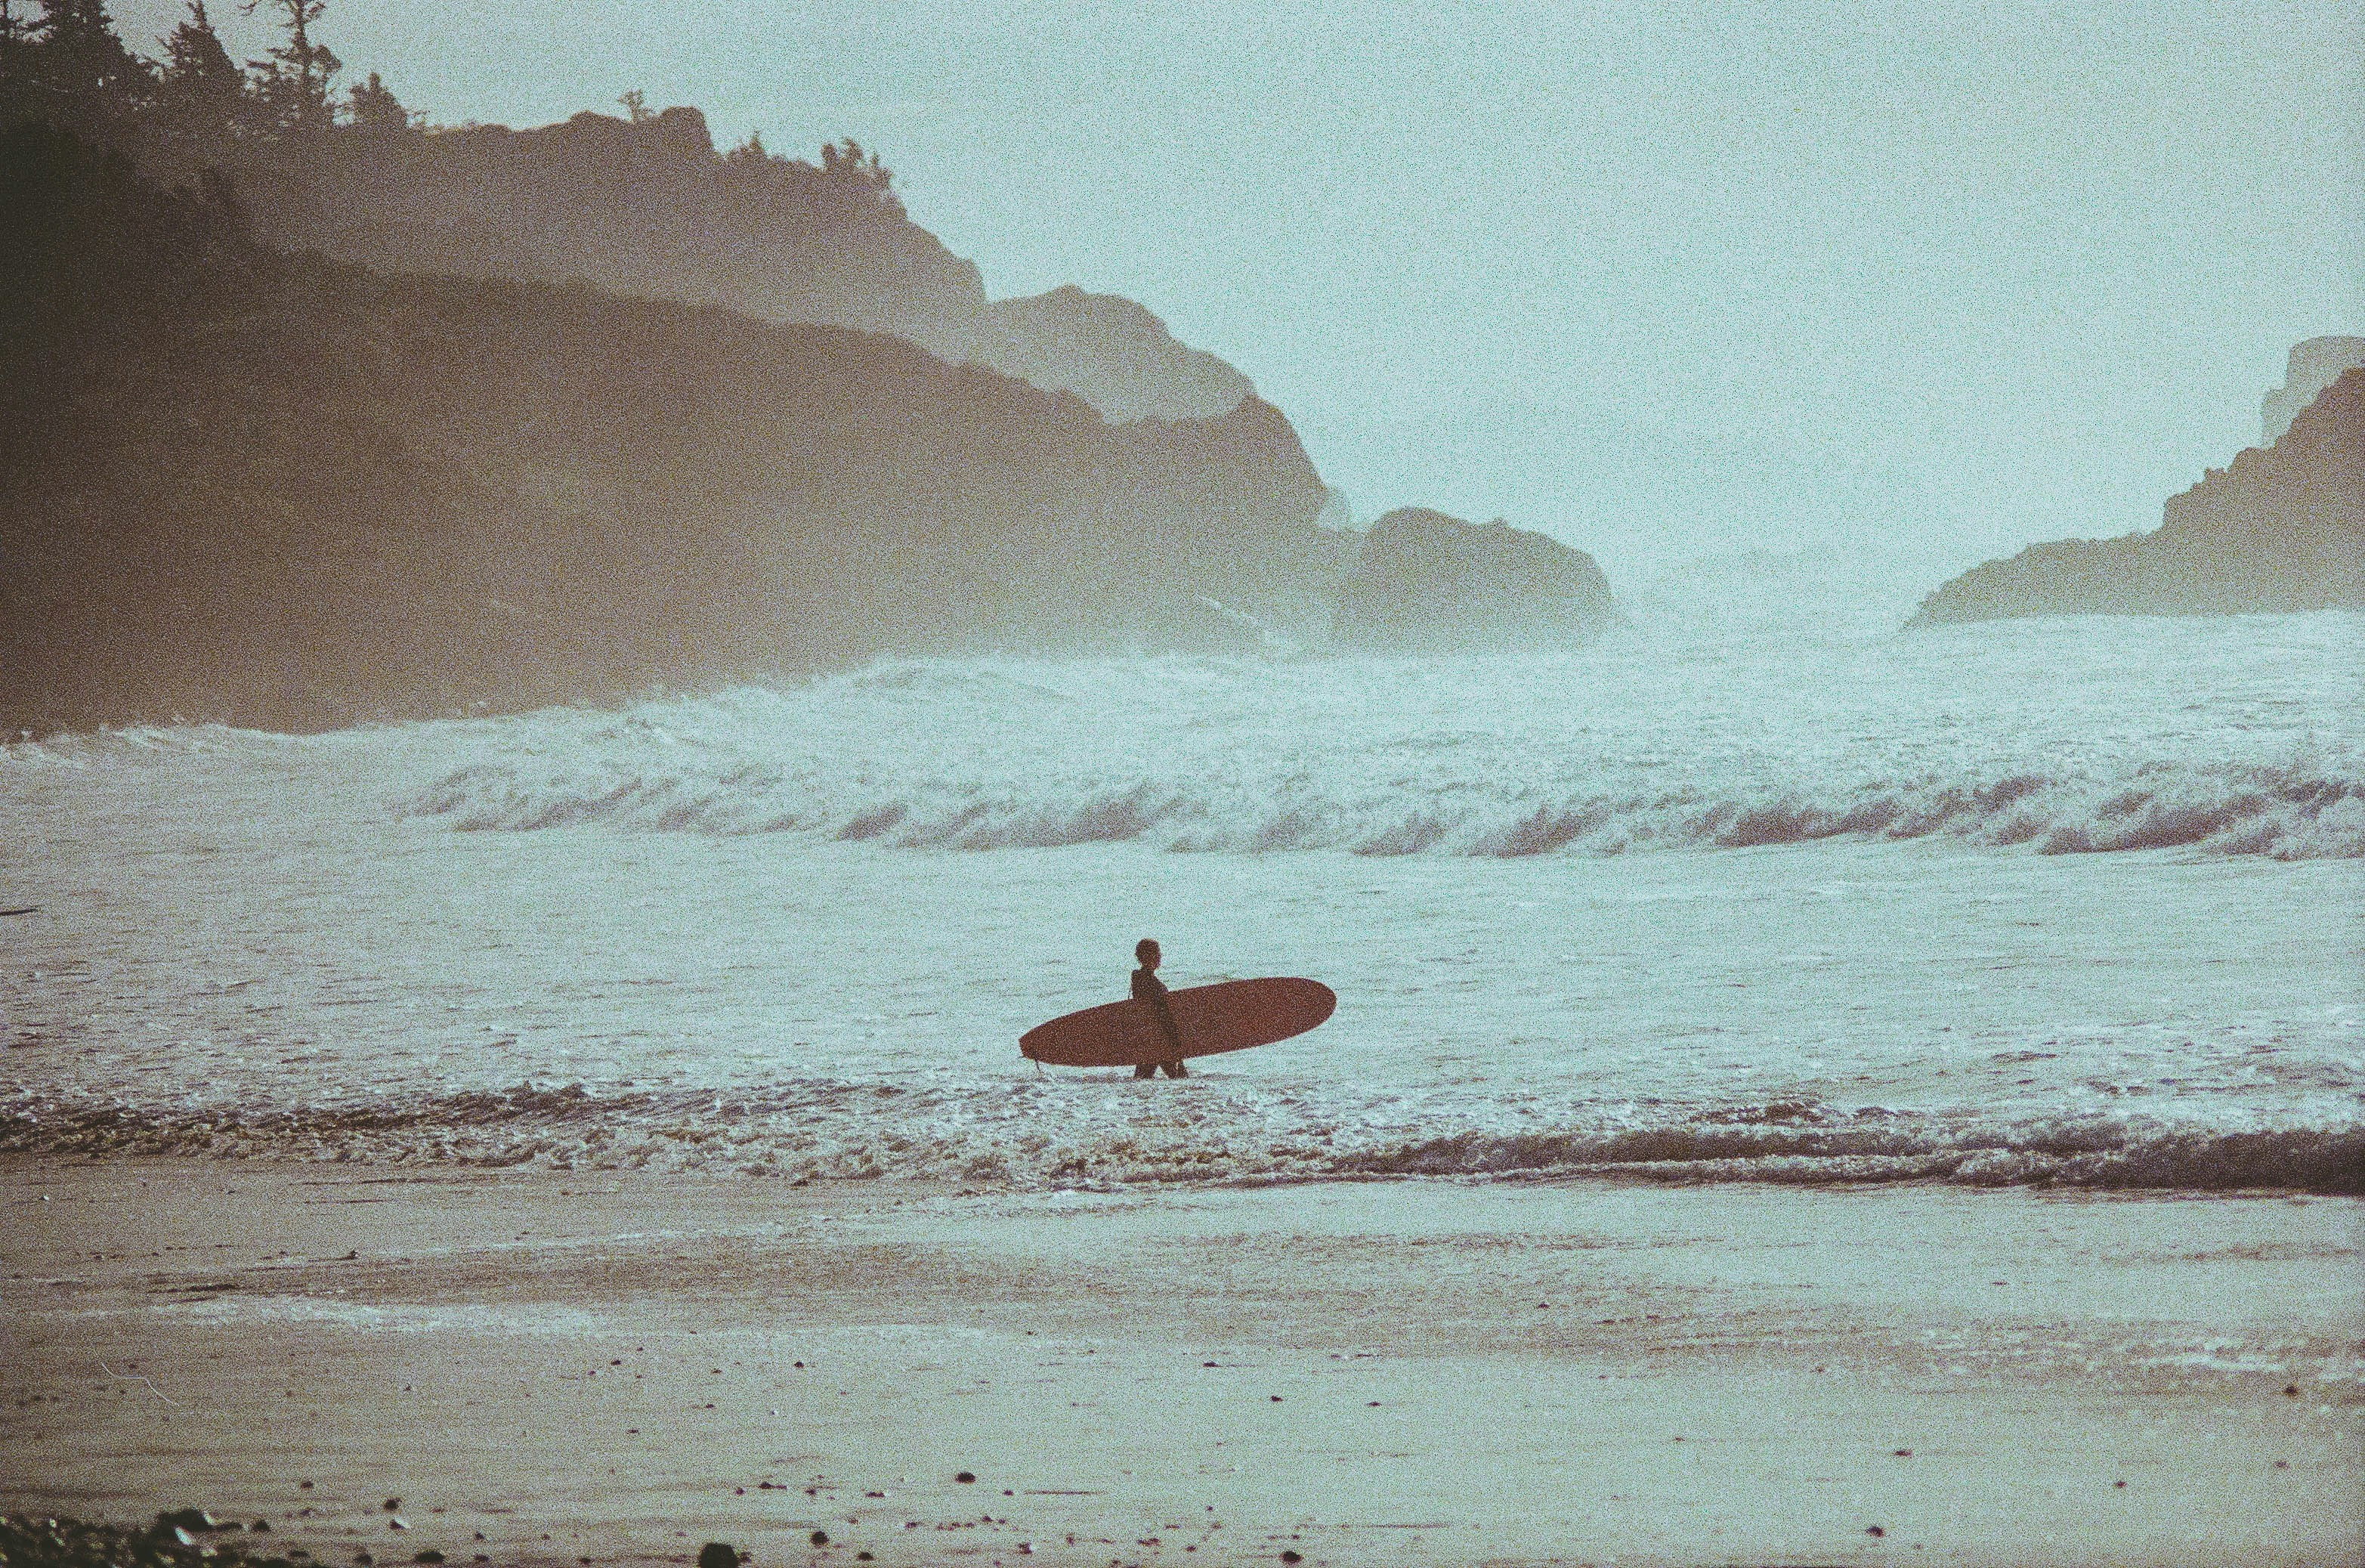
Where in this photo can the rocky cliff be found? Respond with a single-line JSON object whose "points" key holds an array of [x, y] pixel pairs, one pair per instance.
{"points": [[651, 208], [1425, 582], [2280, 528], [2313, 366], [277, 490], [1110, 351]]}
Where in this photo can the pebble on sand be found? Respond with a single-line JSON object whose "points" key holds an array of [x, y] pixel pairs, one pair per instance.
{"points": [[820, 1538], [966, 1478], [719, 1554]]}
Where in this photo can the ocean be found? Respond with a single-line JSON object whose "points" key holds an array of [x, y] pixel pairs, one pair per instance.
{"points": [[2062, 901]]}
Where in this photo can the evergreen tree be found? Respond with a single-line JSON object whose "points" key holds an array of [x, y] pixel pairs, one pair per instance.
{"points": [[847, 162], [200, 92], [83, 76], [750, 153], [15, 61], [294, 84], [372, 108]]}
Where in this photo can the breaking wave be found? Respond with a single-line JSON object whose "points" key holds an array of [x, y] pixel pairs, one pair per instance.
{"points": [[1096, 1136], [2295, 810]]}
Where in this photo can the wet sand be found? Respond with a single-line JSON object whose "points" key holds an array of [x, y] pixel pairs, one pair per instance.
{"points": [[618, 1368]]}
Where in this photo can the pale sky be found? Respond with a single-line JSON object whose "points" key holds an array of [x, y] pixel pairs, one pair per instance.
{"points": [[1916, 282]]}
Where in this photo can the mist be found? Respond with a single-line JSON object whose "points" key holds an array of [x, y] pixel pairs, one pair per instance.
{"points": [[1908, 288], [1330, 786]]}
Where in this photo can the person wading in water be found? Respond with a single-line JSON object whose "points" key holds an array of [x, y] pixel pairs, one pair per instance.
{"points": [[1148, 987]]}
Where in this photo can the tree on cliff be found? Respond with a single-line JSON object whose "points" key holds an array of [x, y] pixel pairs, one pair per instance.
{"points": [[84, 56], [292, 83], [372, 108], [200, 92], [848, 161], [71, 69]]}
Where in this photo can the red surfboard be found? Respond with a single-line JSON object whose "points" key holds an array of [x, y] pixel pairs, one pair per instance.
{"points": [[1231, 1016]]}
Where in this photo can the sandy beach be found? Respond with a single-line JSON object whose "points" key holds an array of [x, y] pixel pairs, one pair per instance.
{"points": [[546, 1366]]}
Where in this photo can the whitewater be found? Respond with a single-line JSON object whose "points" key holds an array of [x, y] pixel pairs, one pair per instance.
{"points": [[2069, 901]]}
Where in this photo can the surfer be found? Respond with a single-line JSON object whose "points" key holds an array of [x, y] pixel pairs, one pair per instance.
{"points": [[1148, 987]]}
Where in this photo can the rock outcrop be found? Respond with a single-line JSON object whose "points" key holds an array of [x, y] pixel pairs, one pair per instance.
{"points": [[651, 208], [1425, 582], [1108, 351], [2280, 528], [2313, 366], [282, 491]]}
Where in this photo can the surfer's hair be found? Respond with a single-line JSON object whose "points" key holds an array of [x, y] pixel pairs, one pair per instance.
{"points": [[1144, 949]]}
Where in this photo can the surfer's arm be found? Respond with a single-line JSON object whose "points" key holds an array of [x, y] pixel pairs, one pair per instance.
{"points": [[1155, 994]]}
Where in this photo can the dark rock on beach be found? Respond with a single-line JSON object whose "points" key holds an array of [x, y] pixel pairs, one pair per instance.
{"points": [[171, 1542]]}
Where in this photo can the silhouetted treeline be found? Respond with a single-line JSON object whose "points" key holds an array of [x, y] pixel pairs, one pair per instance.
{"points": [[643, 204], [65, 64], [191, 105], [276, 489]]}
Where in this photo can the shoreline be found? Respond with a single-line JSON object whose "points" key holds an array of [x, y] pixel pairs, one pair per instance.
{"points": [[584, 1364]]}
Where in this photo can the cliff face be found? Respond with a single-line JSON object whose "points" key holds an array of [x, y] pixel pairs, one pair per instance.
{"points": [[2282, 528], [281, 491], [1425, 582], [652, 208], [2313, 366], [1110, 351]]}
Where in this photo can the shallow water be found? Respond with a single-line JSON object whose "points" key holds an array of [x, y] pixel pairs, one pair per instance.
{"points": [[2066, 900]]}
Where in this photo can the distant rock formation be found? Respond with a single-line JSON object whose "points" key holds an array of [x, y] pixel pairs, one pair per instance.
{"points": [[1425, 582], [651, 208], [1108, 351], [282, 491], [2313, 365], [2282, 528]]}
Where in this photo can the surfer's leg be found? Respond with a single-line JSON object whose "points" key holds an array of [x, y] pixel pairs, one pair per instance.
{"points": [[1145, 1070]]}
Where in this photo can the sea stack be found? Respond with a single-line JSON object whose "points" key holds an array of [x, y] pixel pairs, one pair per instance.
{"points": [[1425, 582]]}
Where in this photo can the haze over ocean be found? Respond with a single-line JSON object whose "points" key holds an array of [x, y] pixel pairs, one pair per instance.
{"points": [[542, 1080], [1904, 287]]}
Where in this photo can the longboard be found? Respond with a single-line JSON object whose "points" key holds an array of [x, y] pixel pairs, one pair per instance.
{"points": [[1230, 1016]]}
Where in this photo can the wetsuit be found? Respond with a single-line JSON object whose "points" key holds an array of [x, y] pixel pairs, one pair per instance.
{"points": [[1148, 987]]}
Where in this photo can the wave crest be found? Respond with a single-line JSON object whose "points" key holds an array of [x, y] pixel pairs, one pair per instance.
{"points": [[1089, 1135], [2292, 810]]}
